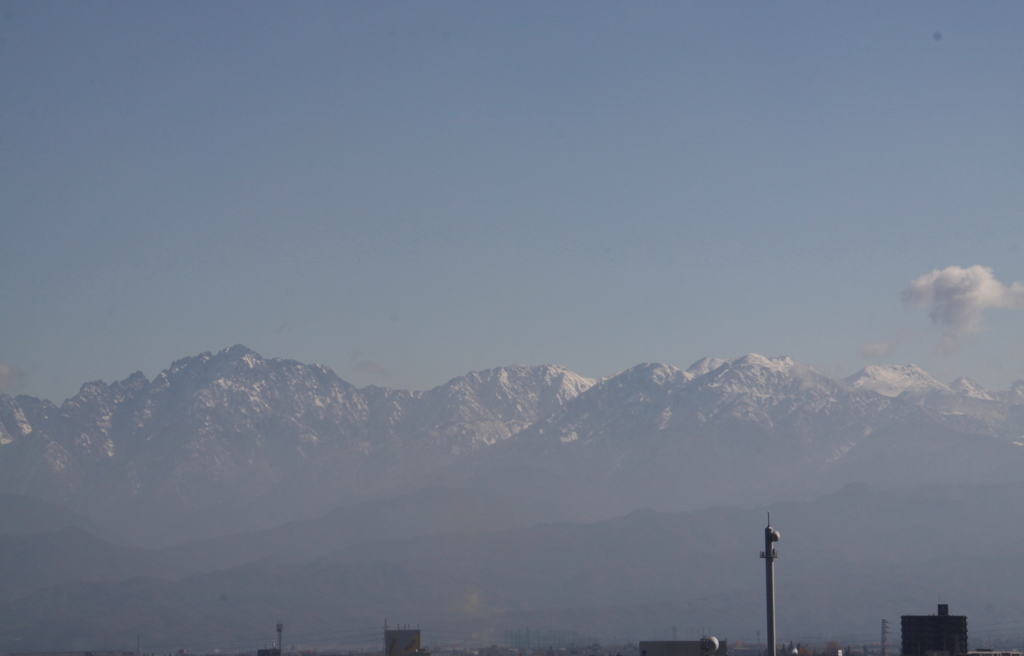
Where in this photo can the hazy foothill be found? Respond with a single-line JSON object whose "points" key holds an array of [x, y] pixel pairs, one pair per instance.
{"points": [[231, 490]]}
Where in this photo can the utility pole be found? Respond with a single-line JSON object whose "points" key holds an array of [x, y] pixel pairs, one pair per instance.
{"points": [[885, 635], [769, 554]]}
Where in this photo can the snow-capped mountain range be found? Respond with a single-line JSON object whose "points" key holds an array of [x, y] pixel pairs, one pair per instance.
{"points": [[218, 441]]}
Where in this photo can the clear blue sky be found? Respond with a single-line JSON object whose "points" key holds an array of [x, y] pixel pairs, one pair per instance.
{"points": [[407, 191]]}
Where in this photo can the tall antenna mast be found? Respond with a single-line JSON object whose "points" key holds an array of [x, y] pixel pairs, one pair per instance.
{"points": [[280, 645], [769, 554], [885, 635]]}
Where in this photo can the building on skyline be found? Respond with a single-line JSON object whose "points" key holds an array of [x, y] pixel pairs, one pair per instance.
{"points": [[402, 642], [934, 635], [683, 648]]}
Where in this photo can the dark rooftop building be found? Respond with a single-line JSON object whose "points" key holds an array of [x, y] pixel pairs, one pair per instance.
{"points": [[934, 635], [705, 647], [403, 642]]}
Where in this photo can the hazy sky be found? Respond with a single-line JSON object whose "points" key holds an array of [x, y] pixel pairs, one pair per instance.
{"points": [[407, 191]]}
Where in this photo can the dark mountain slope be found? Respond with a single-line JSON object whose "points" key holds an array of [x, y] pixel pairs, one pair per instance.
{"points": [[845, 561]]}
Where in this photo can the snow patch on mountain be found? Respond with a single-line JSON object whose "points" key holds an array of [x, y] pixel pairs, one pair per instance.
{"points": [[1014, 395], [968, 387], [893, 380], [704, 365], [758, 375]]}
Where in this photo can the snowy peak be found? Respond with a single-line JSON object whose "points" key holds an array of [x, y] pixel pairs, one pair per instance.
{"points": [[1014, 395], [780, 364], [748, 362], [485, 407], [650, 373], [893, 380], [757, 375], [631, 404], [644, 385], [968, 387], [704, 365], [552, 383]]}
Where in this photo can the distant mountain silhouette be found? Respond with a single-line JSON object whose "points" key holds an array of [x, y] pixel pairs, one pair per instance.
{"points": [[846, 560], [267, 489], [230, 442]]}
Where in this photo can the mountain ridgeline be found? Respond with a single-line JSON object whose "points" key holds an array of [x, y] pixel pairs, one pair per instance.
{"points": [[230, 442], [234, 491]]}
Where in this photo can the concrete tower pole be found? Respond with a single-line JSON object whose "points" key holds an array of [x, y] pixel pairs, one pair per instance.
{"points": [[769, 554]]}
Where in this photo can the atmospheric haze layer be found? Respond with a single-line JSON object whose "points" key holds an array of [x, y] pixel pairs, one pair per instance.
{"points": [[247, 489]]}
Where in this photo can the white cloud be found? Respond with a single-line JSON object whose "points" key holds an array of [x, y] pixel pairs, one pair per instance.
{"points": [[10, 377], [877, 349], [371, 367], [366, 366], [957, 299]]}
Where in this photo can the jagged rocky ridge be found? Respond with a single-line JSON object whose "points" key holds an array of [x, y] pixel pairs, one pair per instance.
{"points": [[229, 441], [214, 434]]}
